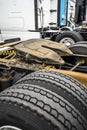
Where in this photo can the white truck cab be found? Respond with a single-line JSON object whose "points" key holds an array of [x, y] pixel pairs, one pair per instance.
{"points": [[17, 19]]}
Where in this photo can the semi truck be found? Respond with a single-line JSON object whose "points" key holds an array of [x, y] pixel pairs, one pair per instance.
{"points": [[43, 83]]}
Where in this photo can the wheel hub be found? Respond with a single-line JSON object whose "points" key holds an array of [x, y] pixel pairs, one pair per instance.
{"points": [[67, 41]]}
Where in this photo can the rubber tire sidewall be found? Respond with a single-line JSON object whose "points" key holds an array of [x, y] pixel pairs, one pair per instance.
{"points": [[75, 36], [79, 48]]}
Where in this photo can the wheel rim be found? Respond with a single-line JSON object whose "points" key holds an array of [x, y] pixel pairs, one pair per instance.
{"points": [[9, 128], [67, 41]]}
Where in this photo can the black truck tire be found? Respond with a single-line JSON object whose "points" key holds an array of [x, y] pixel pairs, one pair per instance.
{"points": [[79, 48], [44, 100], [69, 37]]}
